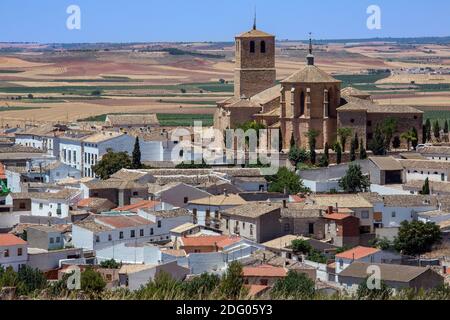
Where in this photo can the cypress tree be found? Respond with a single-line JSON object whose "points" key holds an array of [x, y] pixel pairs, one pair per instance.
{"points": [[426, 187], [136, 161], [362, 151]]}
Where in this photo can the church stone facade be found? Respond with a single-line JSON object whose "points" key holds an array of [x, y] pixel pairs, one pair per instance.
{"points": [[309, 99]]}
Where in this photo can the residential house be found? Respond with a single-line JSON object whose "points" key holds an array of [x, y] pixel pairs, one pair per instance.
{"points": [[264, 275], [121, 193], [45, 138], [208, 208], [303, 219], [19, 156], [385, 170], [54, 204], [95, 205], [441, 153], [434, 170], [342, 229], [134, 277], [362, 208], [394, 276], [256, 221], [364, 254], [45, 237], [177, 194], [13, 251]]}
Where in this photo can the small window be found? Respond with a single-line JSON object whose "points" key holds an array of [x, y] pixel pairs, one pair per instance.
{"points": [[109, 237], [243, 225], [97, 239], [58, 239], [252, 46], [132, 233], [227, 224], [141, 232], [186, 200], [159, 224], [151, 231], [263, 47], [19, 252], [6, 253], [121, 235], [369, 123], [394, 214], [135, 193], [41, 206], [352, 120], [311, 228], [52, 240], [251, 229]]}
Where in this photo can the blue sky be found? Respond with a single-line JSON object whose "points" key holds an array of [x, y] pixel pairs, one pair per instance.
{"points": [[217, 20]]}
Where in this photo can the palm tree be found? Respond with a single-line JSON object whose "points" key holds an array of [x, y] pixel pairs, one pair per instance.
{"points": [[409, 136], [344, 134], [388, 128]]}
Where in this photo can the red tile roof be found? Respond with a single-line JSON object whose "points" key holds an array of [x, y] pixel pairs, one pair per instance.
{"points": [[264, 271], [123, 221], [208, 241], [357, 253], [10, 240], [337, 216], [296, 198], [138, 205]]}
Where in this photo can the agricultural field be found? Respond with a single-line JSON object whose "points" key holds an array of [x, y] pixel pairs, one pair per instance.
{"points": [[69, 82]]}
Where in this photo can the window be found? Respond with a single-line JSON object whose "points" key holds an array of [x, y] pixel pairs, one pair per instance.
{"points": [[41, 206], [58, 239], [19, 251], [311, 228], [341, 263], [121, 235], [159, 224], [135, 193], [302, 103], [326, 104], [352, 120], [97, 239], [151, 231], [369, 123], [6, 253], [364, 214], [227, 224], [252, 46], [394, 214], [52, 240], [109, 237], [141, 232], [263, 47], [22, 205], [132, 233], [251, 229], [243, 225], [442, 177], [185, 200]]}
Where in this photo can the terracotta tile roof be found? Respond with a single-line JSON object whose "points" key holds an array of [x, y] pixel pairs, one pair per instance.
{"points": [[264, 271], [297, 199], [10, 240], [357, 253], [138, 205], [122, 221], [362, 105], [253, 209], [342, 200], [220, 200], [93, 202], [254, 33], [310, 74], [267, 95], [256, 289], [228, 241], [337, 216], [206, 241]]}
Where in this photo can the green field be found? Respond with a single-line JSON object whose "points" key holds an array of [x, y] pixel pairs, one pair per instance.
{"points": [[10, 71], [167, 119], [19, 108], [195, 102]]}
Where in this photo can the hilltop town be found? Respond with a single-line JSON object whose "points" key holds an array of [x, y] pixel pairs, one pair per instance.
{"points": [[121, 206]]}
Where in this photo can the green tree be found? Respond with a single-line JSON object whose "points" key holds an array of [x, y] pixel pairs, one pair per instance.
{"points": [[388, 128], [232, 281], [415, 138], [427, 131], [286, 180], [110, 264], [298, 155], [201, 286], [110, 163], [426, 187], [8, 278], [446, 126], [92, 281], [295, 285], [362, 151], [31, 280], [192, 165], [382, 293], [378, 145], [409, 137], [417, 237], [323, 161], [301, 246], [344, 134], [356, 141], [354, 180], [338, 150], [353, 150], [436, 129], [312, 136], [396, 142], [136, 156]]}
